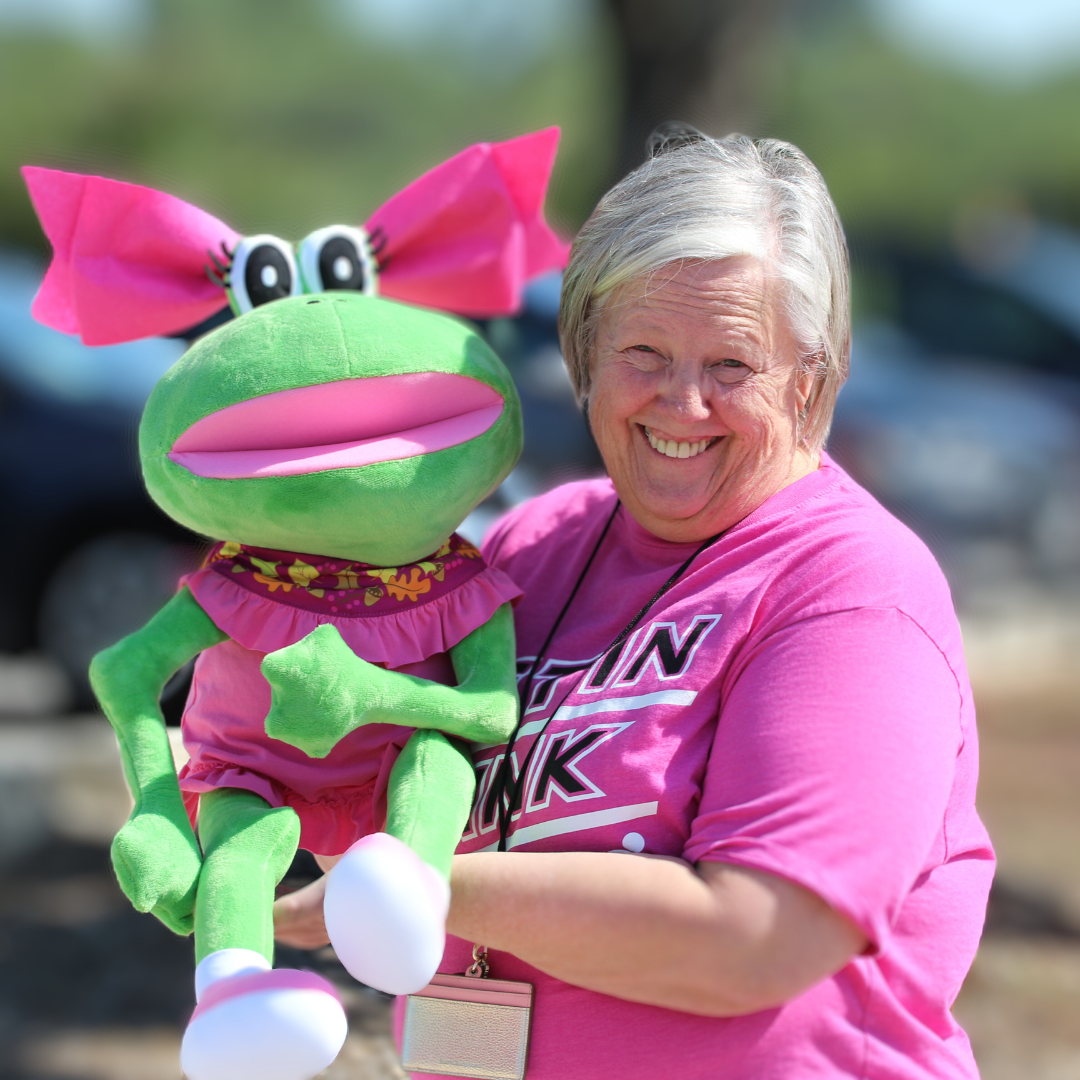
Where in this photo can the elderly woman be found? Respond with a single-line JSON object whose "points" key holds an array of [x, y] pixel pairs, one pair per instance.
{"points": [[737, 834]]}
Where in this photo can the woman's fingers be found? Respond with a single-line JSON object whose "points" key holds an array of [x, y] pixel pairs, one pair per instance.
{"points": [[298, 917]]}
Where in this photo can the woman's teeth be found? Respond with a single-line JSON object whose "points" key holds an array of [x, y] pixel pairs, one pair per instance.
{"points": [[675, 449]]}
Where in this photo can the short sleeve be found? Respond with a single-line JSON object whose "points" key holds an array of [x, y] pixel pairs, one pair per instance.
{"points": [[833, 762], [495, 537]]}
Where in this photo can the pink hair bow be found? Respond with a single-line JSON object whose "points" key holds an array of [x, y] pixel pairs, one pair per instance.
{"points": [[130, 262]]}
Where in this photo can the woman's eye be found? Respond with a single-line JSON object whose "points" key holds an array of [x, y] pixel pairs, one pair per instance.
{"points": [[644, 354], [338, 257], [263, 268], [730, 370]]}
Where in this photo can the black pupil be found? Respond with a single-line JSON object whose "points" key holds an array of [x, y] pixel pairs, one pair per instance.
{"points": [[267, 275], [340, 266]]}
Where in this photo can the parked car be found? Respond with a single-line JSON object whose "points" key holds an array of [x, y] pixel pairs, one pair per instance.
{"points": [[962, 412], [88, 557]]}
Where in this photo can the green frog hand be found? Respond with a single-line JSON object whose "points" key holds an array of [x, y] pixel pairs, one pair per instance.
{"points": [[320, 691], [157, 862]]}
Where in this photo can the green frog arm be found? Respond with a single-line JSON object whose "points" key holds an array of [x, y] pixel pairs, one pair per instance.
{"points": [[155, 855], [322, 690]]}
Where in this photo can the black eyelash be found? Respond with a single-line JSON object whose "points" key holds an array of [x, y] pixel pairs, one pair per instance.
{"points": [[377, 240], [219, 275]]}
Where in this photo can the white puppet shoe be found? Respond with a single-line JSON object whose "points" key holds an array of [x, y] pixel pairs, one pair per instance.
{"points": [[261, 1024], [385, 912]]}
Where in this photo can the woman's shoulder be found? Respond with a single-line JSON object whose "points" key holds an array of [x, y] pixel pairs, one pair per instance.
{"points": [[830, 545], [855, 526], [831, 513], [560, 513]]}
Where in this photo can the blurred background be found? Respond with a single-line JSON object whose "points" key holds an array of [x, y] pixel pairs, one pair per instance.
{"points": [[947, 131]]}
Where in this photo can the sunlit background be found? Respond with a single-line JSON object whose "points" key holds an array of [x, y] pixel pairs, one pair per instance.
{"points": [[949, 134]]}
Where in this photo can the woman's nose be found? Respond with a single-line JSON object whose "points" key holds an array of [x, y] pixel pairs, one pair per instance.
{"points": [[684, 394]]}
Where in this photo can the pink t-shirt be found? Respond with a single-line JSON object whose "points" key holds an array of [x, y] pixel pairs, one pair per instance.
{"points": [[797, 704]]}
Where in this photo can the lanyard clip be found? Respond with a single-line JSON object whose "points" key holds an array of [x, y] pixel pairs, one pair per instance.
{"points": [[478, 969]]}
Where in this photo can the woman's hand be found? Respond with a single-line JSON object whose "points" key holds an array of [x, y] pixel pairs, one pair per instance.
{"points": [[298, 917], [716, 941]]}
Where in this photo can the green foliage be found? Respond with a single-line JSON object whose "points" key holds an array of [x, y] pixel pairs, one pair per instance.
{"points": [[280, 117], [906, 144], [277, 117]]}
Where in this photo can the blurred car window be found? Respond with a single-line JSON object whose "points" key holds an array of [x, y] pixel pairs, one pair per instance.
{"points": [[47, 364]]}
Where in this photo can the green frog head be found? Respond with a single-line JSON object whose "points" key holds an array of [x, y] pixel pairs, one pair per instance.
{"points": [[340, 424]]}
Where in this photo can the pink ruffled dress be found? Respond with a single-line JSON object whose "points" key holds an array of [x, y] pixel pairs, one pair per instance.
{"points": [[402, 618]]}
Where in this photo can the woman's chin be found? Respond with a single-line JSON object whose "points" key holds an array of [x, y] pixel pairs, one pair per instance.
{"points": [[674, 515]]}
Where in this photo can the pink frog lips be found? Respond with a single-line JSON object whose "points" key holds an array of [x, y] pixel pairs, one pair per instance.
{"points": [[338, 425]]}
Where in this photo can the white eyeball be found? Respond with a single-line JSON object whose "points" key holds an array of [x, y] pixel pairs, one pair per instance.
{"points": [[263, 269], [339, 257]]}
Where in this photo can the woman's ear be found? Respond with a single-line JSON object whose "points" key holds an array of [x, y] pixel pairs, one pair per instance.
{"points": [[585, 413], [805, 381]]}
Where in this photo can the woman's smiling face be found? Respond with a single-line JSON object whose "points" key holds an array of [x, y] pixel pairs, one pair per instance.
{"points": [[695, 396]]}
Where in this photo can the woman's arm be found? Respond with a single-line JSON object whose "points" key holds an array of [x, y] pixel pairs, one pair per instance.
{"points": [[718, 941]]}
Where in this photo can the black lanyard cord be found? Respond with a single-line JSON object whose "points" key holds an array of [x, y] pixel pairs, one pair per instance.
{"points": [[614, 650], [507, 798], [528, 682], [502, 778]]}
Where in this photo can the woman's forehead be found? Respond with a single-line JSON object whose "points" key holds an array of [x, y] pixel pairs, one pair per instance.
{"points": [[734, 290]]}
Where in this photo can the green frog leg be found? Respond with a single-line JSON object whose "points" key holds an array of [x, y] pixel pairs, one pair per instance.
{"points": [[155, 855], [247, 848], [321, 690], [250, 1021], [430, 795], [387, 898]]}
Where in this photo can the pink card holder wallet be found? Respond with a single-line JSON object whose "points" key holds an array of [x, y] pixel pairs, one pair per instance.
{"points": [[467, 1025]]}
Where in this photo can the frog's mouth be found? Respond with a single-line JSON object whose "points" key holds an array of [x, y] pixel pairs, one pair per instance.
{"points": [[338, 425]]}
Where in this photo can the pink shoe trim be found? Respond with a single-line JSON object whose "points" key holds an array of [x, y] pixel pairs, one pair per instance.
{"points": [[277, 979], [377, 840], [438, 888]]}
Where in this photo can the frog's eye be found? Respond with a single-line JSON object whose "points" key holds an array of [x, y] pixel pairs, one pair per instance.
{"points": [[338, 257], [263, 269]]}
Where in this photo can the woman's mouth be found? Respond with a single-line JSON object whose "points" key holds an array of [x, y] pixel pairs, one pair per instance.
{"points": [[679, 448]]}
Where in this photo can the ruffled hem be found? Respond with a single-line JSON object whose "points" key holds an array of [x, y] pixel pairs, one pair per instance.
{"points": [[405, 637], [329, 826]]}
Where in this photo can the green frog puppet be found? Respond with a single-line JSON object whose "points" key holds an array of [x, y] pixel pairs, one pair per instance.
{"points": [[350, 646]]}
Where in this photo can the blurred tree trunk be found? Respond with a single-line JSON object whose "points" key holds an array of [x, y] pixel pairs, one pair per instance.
{"points": [[701, 61]]}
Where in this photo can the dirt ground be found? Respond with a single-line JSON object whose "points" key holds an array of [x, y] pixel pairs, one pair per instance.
{"points": [[90, 990], [1021, 1002]]}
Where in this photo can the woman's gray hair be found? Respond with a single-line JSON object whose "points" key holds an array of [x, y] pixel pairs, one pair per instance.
{"points": [[699, 198]]}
